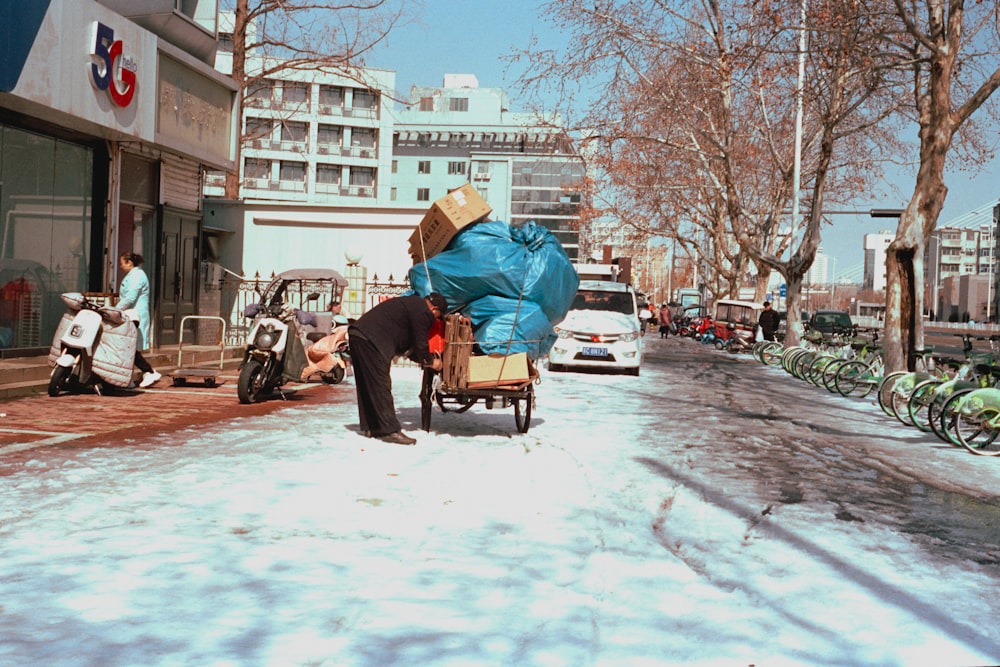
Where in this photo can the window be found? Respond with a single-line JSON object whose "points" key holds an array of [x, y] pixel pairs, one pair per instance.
{"points": [[364, 99], [332, 96], [395, 166], [424, 167], [294, 92], [259, 129], [458, 104], [392, 194], [260, 93], [423, 194], [362, 176], [256, 168], [328, 173], [225, 42], [456, 167], [363, 137], [328, 135], [294, 131], [427, 104], [292, 171]]}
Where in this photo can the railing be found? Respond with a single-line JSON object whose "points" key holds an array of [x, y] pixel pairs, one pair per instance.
{"points": [[378, 291], [237, 293]]}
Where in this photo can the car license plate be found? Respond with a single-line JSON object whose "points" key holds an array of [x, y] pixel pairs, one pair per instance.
{"points": [[595, 351]]}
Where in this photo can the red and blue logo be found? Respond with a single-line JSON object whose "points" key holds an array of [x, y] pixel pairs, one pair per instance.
{"points": [[113, 71]]}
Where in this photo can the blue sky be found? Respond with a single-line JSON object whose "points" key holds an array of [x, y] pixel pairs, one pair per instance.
{"points": [[472, 37]]}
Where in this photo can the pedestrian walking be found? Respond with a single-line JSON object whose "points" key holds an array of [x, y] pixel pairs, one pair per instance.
{"points": [[134, 293], [768, 321], [666, 322], [392, 328]]}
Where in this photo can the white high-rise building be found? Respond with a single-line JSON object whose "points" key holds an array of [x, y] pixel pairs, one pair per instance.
{"points": [[875, 247]]}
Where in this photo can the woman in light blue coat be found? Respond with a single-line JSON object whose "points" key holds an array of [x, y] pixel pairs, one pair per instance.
{"points": [[134, 293]]}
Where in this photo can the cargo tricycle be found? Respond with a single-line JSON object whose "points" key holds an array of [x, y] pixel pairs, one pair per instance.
{"points": [[498, 380]]}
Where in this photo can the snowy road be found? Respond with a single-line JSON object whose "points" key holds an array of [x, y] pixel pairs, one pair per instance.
{"points": [[709, 512]]}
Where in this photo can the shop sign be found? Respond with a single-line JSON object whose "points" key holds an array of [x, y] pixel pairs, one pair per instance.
{"points": [[113, 71]]}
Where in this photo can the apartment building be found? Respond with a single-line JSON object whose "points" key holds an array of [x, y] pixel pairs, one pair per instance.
{"points": [[960, 272], [521, 164], [332, 167]]}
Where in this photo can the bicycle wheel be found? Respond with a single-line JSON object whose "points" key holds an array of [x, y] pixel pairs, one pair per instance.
{"points": [[977, 432], [771, 353], [918, 407], [944, 427], [885, 391], [901, 399], [830, 374], [802, 364], [817, 369], [848, 377], [790, 356]]}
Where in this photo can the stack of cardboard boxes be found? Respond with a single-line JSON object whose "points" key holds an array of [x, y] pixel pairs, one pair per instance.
{"points": [[463, 370], [445, 218]]}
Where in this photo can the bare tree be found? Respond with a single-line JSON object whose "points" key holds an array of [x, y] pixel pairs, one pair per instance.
{"points": [[702, 98], [272, 38], [951, 53]]}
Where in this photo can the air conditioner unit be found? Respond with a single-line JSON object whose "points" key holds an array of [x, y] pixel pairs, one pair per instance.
{"points": [[325, 109], [481, 176], [345, 191], [323, 150], [274, 185], [256, 143], [366, 153], [345, 151], [348, 111], [275, 145], [364, 192]]}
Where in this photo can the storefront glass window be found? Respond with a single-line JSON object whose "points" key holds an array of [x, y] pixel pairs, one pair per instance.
{"points": [[45, 229]]}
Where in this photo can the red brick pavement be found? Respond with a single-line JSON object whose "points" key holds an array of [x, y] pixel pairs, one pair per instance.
{"points": [[124, 416]]}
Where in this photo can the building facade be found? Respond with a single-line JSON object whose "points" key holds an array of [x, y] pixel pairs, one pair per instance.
{"points": [[961, 273], [330, 169], [875, 246], [109, 115]]}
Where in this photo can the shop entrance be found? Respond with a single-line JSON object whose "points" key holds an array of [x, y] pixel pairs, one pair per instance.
{"points": [[178, 275]]}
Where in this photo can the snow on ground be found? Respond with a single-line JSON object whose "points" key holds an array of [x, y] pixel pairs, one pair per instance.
{"points": [[294, 541]]}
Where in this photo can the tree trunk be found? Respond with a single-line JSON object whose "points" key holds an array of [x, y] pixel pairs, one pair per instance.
{"points": [[242, 12]]}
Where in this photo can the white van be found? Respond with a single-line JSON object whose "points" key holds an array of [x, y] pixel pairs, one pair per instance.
{"points": [[601, 329]]}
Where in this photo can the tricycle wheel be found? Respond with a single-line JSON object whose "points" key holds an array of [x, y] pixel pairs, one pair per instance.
{"points": [[522, 416], [179, 382], [209, 382]]}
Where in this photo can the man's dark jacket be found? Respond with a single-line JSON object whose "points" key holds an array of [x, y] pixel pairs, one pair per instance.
{"points": [[398, 326]]}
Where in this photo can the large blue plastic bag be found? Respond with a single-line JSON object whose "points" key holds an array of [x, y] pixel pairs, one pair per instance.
{"points": [[494, 259], [502, 325]]}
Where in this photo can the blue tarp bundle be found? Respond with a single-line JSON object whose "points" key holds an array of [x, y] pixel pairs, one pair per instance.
{"points": [[513, 283]]}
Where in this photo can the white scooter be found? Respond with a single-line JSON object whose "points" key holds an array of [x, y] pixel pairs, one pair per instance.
{"points": [[274, 352], [92, 345]]}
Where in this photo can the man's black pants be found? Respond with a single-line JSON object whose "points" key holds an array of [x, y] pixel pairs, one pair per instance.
{"points": [[373, 383]]}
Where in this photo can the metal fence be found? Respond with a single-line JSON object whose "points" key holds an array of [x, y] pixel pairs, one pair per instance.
{"points": [[235, 294]]}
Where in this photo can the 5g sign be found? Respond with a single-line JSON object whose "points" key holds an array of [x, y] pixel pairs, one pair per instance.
{"points": [[112, 72]]}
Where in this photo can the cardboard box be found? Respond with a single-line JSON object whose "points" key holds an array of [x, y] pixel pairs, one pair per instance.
{"points": [[496, 370], [457, 209], [457, 351]]}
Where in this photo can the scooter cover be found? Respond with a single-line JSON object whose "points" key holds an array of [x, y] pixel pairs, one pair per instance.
{"points": [[114, 356]]}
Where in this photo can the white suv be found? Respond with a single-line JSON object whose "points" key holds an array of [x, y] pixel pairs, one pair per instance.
{"points": [[601, 329]]}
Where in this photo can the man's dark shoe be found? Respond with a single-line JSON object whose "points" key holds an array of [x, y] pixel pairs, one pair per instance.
{"points": [[398, 438]]}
